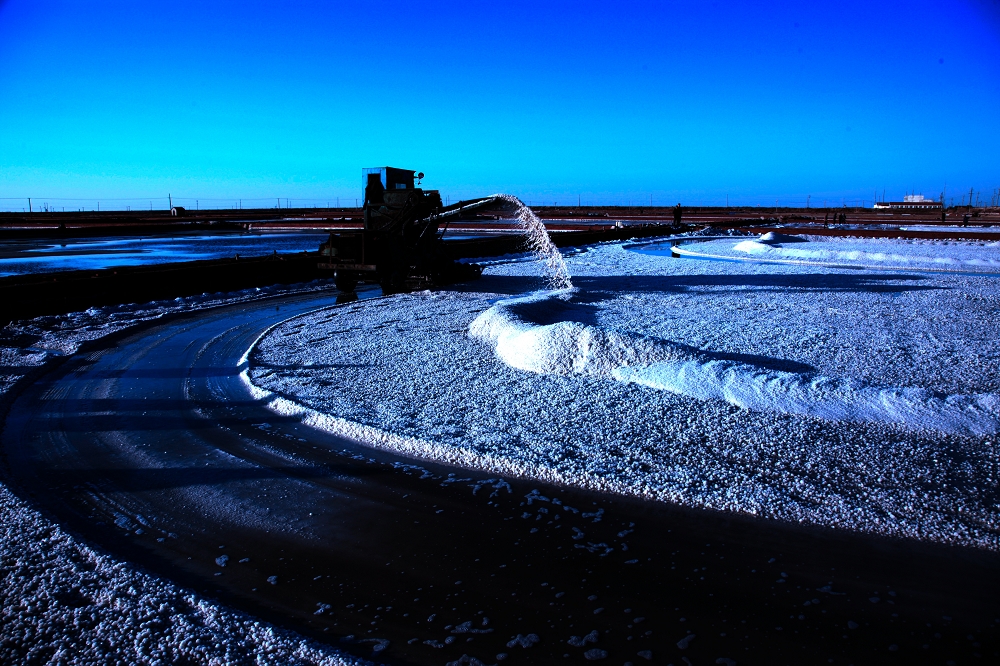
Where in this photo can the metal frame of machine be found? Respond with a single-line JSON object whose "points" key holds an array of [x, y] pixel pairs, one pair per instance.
{"points": [[401, 243]]}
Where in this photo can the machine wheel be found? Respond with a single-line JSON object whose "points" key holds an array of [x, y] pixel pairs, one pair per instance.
{"points": [[392, 282], [345, 281], [452, 272]]}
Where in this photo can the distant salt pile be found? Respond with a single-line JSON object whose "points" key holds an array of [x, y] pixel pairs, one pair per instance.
{"points": [[540, 244], [773, 246], [775, 237], [572, 347]]}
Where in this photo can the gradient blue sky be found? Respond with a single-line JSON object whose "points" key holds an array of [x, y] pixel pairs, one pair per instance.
{"points": [[612, 101]]}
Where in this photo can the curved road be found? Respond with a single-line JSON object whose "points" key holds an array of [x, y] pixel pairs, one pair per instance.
{"points": [[153, 449]]}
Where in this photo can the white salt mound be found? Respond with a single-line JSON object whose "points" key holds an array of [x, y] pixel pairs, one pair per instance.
{"points": [[565, 347], [569, 347], [775, 237]]}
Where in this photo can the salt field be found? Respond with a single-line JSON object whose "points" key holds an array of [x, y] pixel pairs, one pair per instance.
{"points": [[864, 400], [660, 458], [711, 377]]}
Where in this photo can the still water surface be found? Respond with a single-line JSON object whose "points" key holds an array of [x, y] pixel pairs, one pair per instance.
{"points": [[21, 257], [27, 256]]}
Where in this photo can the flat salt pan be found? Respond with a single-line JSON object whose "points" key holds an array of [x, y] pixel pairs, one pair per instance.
{"points": [[581, 387]]}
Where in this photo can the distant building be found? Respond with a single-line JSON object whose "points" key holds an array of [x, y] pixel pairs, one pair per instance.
{"points": [[911, 201], [177, 211]]}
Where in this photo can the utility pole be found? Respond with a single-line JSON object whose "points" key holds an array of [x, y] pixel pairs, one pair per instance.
{"points": [[29, 204], [170, 200]]}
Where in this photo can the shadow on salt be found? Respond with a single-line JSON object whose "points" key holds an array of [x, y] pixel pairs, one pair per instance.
{"points": [[555, 332]]}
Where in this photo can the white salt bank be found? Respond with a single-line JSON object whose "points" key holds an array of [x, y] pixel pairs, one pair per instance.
{"points": [[861, 399]]}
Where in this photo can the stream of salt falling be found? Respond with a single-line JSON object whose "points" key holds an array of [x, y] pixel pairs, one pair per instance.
{"points": [[540, 244]]}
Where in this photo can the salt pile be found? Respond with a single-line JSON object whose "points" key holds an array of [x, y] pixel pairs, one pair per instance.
{"points": [[565, 347], [569, 347]]}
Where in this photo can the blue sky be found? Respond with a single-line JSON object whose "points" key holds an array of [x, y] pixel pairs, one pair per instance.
{"points": [[608, 102]]}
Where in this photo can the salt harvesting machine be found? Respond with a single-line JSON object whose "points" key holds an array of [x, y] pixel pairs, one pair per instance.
{"points": [[401, 244]]}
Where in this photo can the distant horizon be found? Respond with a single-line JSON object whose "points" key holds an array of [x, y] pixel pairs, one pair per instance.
{"points": [[987, 199], [686, 102], [990, 198], [163, 204], [635, 199]]}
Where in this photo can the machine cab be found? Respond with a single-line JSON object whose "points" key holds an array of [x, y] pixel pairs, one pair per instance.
{"points": [[387, 185]]}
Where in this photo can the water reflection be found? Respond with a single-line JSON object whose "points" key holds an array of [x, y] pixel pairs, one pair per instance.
{"points": [[19, 257]]}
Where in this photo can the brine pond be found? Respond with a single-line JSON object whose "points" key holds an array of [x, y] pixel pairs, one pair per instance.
{"points": [[47, 255], [26, 256]]}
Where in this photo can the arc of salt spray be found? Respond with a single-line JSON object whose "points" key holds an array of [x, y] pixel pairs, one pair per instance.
{"points": [[540, 244]]}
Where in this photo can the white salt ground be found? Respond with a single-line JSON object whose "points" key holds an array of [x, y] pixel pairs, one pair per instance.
{"points": [[872, 395], [63, 602]]}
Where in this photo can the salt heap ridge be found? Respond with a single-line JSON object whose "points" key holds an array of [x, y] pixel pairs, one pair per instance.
{"points": [[512, 326]]}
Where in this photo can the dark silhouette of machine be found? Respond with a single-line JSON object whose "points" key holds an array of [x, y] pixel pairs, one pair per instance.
{"points": [[401, 245]]}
